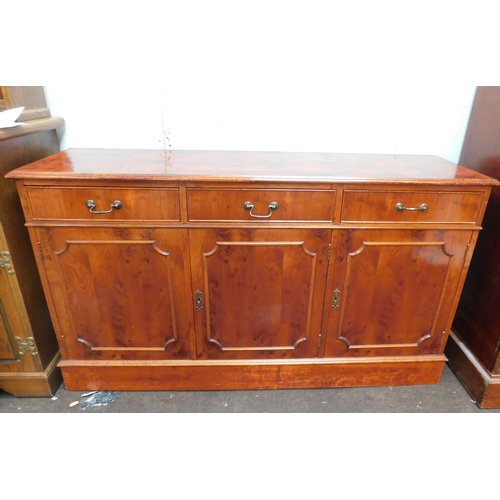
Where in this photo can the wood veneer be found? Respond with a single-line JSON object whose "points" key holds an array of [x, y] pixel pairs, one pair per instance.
{"points": [[327, 290]]}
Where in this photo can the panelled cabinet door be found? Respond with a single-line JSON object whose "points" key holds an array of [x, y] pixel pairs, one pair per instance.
{"points": [[393, 291], [119, 293], [258, 293], [8, 352], [18, 349]]}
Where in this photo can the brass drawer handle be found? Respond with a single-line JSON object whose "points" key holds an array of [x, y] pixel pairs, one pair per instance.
{"points": [[422, 208], [90, 204], [248, 205]]}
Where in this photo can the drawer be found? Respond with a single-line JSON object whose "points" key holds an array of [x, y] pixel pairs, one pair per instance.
{"points": [[260, 205], [73, 203], [411, 206]]}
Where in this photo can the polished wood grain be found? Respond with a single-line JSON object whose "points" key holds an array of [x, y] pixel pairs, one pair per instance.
{"points": [[243, 375], [7, 351], [13, 318], [34, 384], [372, 206], [218, 299], [477, 322], [262, 292], [138, 204], [120, 294], [157, 165], [404, 279], [228, 204]]}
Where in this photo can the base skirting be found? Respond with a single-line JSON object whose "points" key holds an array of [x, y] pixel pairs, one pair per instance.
{"points": [[33, 384], [480, 383], [251, 374]]}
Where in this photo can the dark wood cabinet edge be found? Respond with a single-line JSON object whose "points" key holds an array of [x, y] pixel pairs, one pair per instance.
{"points": [[31, 127], [480, 383]]}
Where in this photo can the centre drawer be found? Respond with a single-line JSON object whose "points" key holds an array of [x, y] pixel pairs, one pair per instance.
{"points": [[411, 206], [260, 205], [103, 203]]}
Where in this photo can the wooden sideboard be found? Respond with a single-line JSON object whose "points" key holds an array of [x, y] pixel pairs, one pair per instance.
{"points": [[28, 348], [474, 345], [200, 270]]}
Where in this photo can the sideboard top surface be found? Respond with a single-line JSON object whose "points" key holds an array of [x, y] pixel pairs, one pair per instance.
{"points": [[234, 166]]}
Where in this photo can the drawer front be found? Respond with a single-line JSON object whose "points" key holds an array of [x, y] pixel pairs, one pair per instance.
{"points": [[260, 205], [76, 203], [411, 206]]}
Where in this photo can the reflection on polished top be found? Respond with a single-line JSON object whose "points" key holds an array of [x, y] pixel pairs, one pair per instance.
{"points": [[174, 165]]}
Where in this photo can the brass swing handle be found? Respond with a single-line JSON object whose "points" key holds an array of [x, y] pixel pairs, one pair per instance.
{"points": [[422, 208], [248, 205], [90, 204]]}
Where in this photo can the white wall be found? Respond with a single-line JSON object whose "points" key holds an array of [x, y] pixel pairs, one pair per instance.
{"points": [[286, 116], [297, 76]]}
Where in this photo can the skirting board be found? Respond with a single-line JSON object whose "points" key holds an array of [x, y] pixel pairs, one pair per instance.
{"points": [[483, 387], [33, 384], [251, 375]]}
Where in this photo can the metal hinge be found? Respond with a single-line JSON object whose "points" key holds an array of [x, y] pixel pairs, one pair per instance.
{"points": [[28, 346], [442, 337], [466, 252], [329, 251], [64, 342], [5, 262], [40, 248], [319, 340]]}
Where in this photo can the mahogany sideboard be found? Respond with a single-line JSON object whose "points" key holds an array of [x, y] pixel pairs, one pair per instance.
{"points": [[201, 270], [474, 345]]}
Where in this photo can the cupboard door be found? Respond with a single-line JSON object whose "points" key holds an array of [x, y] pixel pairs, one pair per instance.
{"points": [[258, 293], [393, 292], [8, 352], [18, 349], [118, 293]]}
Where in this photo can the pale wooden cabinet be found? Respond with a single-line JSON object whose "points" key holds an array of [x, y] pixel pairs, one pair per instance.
{"points": [[208, 270]]}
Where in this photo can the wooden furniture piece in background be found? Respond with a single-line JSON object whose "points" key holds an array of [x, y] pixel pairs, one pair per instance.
{"points": [[31, 98], [474, 345], [192, 270], [28, 348]]}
